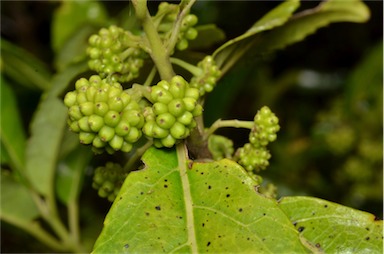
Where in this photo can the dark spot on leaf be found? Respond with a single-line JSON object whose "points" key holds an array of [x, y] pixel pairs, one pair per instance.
{"points": [[313, 213], [141, 193], [219, 236], [165, 180], [301, 229], [147, 213], [202, 173], [325, 206], [228, 195], [367, 229], [367, 238], [208, 243], [121, 198], [241, 209], [126, 245], [216, 166], [203, 224], [264, 214], [209, 187], [226, 188], [318, 245], [263, 239], [158, 208], [294, 224], [165, 186]]}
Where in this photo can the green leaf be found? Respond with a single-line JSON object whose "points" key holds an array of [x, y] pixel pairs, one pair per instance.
{"points": [[328, 227], [12, 134], [235, 48], [17, 205], [43, 146], [70, 173], [167, 207], [71, 15], [208, 36], [23, 67]]}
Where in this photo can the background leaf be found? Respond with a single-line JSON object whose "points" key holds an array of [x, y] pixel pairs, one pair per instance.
{"points": [[17, 205], [43, 146], [70, 173], [23, 67], [73, 14], [208, 35], [211, 207], [12, 134], [332, 228]]}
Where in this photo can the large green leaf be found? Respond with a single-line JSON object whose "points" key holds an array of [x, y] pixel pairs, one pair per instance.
{"points": [[71, 15], [327, 227], [17, 206], [12, 134], [43, 146], [288, 29], [232, 50], [23, 67], [211, 207], [70, 173]]}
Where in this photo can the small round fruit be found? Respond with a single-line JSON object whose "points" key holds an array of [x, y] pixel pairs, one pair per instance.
{"points": [[106, 133]]}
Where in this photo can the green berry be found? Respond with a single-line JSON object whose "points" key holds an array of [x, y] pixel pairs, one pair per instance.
{"points": [[169, 141], [186, 118], [98, 143], [70, 99], [106, 133], [133, 135], [101, 108], [74, 126], [112, 118], [165, 120], [122, 128], [95, 122], [116, 142], [86, 137], [160, 108], [83, 124], [176, 107], [159, 132], [75, 113], [86, 108], [178, 131]]}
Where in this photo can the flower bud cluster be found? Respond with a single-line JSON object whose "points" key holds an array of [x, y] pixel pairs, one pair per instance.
{"points": [[254, 156], [108, 180], [171, 117], [187, 31], [104, 115], [114, 52], [207, 80]]}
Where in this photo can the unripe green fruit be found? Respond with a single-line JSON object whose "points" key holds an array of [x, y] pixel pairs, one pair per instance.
{"points": [[177, 107], [125, 98], [192, 92], [122, 128], [80, 83], [86, 137], [163, 84], [95, 122], [106, 133], [182, 44], [75, 113], [198, 110], [116, 143], [101, 95], [90, 93], [116, 104], [133, 135], [160, 108], [133, 117], [81, 98], [70, 99], [186, 118], [148, 128], [159, 94], [159, 132], [86, 108], [98, 143], [83, 124], [178, 131], [101, 108], [74, 126], [189, 103], [178, 86], [190, 20], [95, 80], [191, 34], [165, 120], [168, 141], [112, 118], [127, 147]]}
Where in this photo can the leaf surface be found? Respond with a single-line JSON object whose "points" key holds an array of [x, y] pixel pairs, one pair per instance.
{"points": [[12, 134], [43, 146], [328, 227], [17, 205], [213, 207]]}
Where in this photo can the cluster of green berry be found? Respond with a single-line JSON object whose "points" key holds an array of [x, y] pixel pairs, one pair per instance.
{"points": [[171, 117], [220, 147], [104, 115], [208, 77], [108, 180], [168, 14], [254, 156], [115, 53]]}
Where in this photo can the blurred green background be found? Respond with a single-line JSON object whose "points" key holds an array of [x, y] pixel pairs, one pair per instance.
{"points": [[326, 90]]}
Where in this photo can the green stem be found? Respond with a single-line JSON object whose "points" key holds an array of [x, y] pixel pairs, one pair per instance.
{"points": [[136, 156], [150, 77], [228, 123], [158, 51], [196, 71], [176, 29]]}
